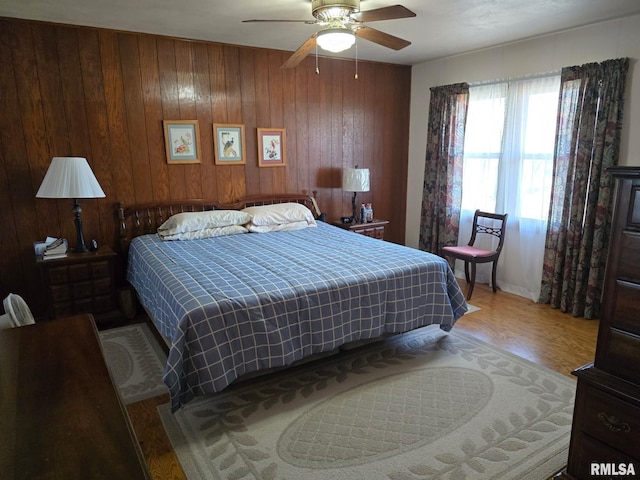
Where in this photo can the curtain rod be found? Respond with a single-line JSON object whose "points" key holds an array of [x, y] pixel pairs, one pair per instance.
{"points": [[515, 79]]}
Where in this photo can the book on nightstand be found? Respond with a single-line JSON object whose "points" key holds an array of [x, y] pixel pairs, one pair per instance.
{"points": [[51, 248]]}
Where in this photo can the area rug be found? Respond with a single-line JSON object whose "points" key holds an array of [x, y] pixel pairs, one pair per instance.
{"points": [[423, 405], [136, 361]]}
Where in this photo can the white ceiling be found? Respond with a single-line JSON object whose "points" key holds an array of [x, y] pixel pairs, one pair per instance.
{"points": [[441, 27]]}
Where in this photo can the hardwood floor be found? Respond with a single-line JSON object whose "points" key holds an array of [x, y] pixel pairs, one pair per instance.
{"points": [[533, 331]]}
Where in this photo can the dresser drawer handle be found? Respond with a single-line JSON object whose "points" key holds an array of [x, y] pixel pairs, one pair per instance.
{"points": [[613, 424]]}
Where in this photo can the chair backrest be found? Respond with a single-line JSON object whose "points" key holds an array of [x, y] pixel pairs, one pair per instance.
{"points": [[483, 227]]}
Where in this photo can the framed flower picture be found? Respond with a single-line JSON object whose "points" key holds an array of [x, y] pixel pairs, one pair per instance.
{"points": [[182, 141], [271, 147], [228, 145]]}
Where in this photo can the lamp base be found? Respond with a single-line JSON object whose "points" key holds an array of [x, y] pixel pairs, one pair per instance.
{"points": [[80, 247], [353, 208]]}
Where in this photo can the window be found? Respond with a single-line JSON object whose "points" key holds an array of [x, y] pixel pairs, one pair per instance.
{"points": [[508, 168], [509, 145]]}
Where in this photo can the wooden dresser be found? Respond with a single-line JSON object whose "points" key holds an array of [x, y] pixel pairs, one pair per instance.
{"points": [[62, 416], [606, 422]]}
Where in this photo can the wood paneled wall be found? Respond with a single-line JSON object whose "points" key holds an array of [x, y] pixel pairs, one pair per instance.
{"points": [[102, 94]]}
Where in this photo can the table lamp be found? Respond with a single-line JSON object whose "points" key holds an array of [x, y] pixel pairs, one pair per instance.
{"points": [[355, 180], [71, 177]]}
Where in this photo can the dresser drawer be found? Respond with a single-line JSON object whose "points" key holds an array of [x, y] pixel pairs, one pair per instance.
{"points": [[625, 307], [612, 421], [586, 451], [617, 353], [629, 265]]}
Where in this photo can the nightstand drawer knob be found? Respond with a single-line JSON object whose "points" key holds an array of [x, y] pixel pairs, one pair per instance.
{"points": [[613, 424]]}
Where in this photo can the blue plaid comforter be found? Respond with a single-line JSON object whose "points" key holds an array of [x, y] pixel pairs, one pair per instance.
{"points": [[242, 303]]}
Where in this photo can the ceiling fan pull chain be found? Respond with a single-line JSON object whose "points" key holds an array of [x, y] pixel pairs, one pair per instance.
{"points": [[317, 69], [356, 75]]}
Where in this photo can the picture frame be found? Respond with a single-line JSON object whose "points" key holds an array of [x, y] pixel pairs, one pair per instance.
{"points": [[229, 144], [272, 147], [182, 141]]}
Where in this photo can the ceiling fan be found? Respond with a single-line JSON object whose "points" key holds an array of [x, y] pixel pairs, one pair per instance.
{"points": [[342, 21]]}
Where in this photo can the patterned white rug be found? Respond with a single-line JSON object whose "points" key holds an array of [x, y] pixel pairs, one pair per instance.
{"points": [[423, 406], [136, 361]]}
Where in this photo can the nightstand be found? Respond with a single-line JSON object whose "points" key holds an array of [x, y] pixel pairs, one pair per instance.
{"points": [[373, 229], [81, 283]]}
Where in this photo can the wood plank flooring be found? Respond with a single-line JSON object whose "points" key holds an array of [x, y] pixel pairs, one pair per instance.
{"points": [[533, 331]]}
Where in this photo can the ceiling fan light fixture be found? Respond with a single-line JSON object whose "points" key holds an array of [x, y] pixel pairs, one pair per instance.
{"points": [[336, 39]]}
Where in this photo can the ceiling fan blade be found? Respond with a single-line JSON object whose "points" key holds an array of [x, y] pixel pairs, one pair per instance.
{"points": [[301, 53], [384, 13], [308, 22], [381, 38]]}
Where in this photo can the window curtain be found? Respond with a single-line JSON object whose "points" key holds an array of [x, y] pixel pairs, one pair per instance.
{"points": [[587, 142], [442, 192], [508, 165]]}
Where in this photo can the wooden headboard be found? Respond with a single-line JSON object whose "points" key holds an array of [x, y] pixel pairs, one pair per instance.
{"points": [[144, 218]]}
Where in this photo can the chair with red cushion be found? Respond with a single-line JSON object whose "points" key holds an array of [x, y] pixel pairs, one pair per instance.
{"points": [[484, 223]]}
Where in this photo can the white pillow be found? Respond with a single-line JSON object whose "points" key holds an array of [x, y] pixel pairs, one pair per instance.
{"points": [[206, 233], [280, 227], [280, 213], [194, 221]]}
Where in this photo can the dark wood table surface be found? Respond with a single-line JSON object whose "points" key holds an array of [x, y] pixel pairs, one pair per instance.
{"points": [[61, 416]]}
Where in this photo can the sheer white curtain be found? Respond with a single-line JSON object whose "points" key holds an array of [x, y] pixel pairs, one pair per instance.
{"points": [[508, 166]]}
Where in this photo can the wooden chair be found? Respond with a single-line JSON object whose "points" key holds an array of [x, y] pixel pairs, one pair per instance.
{"points": [[484, 223]]}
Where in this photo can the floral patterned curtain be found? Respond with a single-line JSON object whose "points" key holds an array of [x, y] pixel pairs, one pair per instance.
{"points": [[442, 193], [587, 142]]}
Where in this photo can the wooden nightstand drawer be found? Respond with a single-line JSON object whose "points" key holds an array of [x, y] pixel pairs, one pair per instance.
{"points": [[102, 286], [81, 283], [60, 293], [82, 289], [373, 229], [100, 270], [375, 232], [57, 275], [79, 272]]}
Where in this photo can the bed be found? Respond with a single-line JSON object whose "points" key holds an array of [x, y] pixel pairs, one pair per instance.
{"points": [[233, 305]]}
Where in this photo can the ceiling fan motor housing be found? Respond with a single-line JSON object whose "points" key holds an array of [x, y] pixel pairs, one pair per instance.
{"points": [[328, 10]]}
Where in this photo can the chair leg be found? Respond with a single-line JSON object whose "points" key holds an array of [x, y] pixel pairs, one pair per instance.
{"points": [[493, 277], [466, 271], [472, 282]]}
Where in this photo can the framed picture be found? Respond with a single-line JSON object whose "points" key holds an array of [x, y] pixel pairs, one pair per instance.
{"points": [[228, 140], [271, 147], [182, 141]]}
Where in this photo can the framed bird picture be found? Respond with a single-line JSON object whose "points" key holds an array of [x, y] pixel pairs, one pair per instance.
{"points": [[229, 144], [182, 141], [271, 147]]}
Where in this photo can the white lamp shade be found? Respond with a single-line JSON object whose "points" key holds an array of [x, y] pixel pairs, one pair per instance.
{"points": [[70, 177], [355, 179], [335, 39]]}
